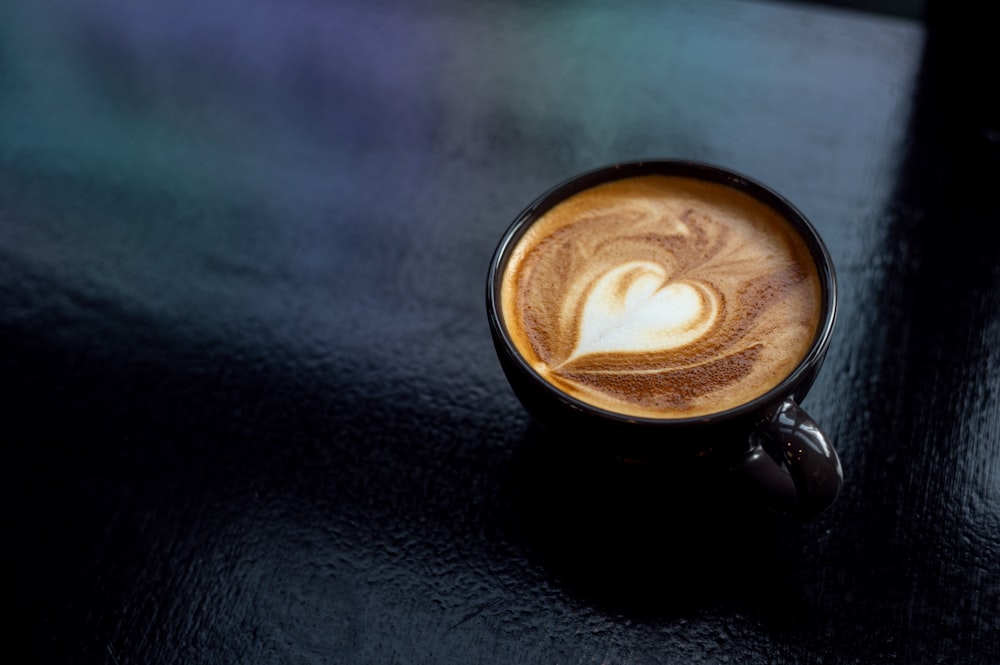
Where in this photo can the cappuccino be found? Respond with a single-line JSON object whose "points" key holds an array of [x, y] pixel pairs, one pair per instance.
{"points": [[661, 297]]}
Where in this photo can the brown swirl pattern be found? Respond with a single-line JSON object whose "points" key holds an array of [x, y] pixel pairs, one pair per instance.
{"points": [[662, 297]]}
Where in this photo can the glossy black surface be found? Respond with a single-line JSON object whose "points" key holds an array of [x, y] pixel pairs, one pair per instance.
{"points": [[250, 409]]}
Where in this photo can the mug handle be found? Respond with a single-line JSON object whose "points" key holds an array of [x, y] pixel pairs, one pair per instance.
{"points": [[792, 464]]}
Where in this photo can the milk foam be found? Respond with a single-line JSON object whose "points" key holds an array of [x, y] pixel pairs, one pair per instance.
{"points": [[634, 307], [661, 296]]}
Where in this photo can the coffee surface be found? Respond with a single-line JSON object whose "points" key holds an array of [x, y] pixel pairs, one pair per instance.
{"points": [[661, 296]]}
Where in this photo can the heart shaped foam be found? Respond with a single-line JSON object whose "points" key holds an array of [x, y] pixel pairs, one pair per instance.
{"points": [[634, 308]]}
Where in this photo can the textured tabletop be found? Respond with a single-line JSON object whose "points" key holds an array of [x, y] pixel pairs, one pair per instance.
{"points": [[250, 411]]}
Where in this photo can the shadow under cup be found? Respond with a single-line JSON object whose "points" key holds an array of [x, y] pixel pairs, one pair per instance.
{"points": [[769, 441]]}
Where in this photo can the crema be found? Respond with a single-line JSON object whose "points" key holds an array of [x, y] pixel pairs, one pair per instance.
{"points": [[661, 296]]}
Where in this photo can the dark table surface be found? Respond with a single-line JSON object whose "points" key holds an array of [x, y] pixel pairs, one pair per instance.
{"points": [[249, 407]]}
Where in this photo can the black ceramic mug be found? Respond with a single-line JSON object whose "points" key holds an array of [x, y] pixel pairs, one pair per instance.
{"points": [[675, 313]]}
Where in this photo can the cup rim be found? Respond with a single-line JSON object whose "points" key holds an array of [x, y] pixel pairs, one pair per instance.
{"points": [[681, 168]]}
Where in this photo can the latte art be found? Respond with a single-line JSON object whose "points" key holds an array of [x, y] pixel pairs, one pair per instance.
{"points": [[661, 296], [634, 307]]}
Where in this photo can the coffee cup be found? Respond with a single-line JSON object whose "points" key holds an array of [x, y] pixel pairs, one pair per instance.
{"points": [[674, 313]]}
